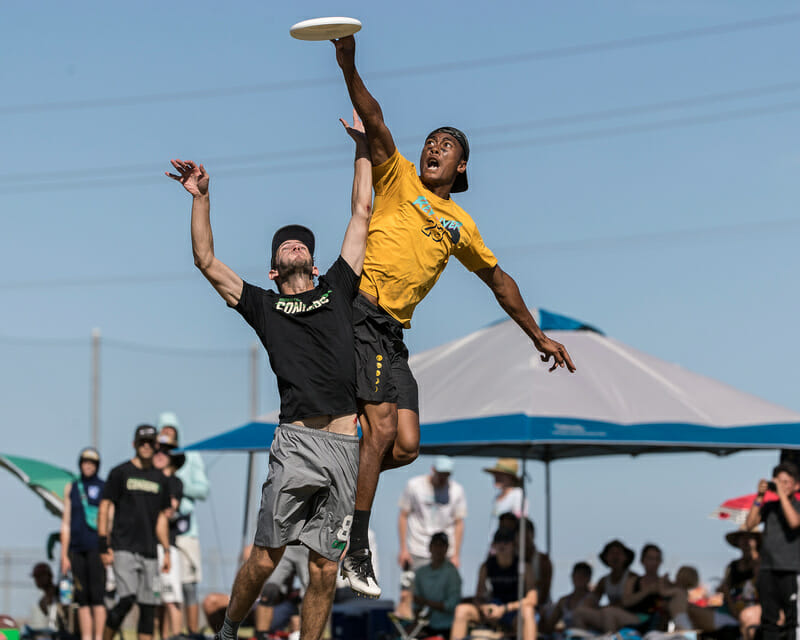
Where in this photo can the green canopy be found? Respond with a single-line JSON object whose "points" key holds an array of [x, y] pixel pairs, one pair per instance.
{"points": [[43, 478]]}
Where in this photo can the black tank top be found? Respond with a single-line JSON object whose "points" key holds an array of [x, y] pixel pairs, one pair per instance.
{"points": [[649, 604], [504, 580]]}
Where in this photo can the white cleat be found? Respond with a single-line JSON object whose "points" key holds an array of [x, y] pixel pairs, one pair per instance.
{"points": [[357, 569]]}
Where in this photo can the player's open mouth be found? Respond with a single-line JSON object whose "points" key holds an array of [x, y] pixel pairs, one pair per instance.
{"points": [[432, 163]]}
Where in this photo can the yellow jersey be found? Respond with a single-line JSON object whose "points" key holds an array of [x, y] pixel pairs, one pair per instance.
{"points": [[412, 234]]}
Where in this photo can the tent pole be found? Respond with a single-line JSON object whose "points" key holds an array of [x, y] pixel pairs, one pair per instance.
{"points": [[547, 504], [251, 455], [521, 551], [247, 493]]}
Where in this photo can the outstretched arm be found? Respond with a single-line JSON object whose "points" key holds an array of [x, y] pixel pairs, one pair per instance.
{"points": [[379, 137], [355, 238], [195, 180], [508, 296]]}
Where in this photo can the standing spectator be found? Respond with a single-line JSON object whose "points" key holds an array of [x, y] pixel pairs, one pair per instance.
{"points": [[429, 504], [170, 614], [195, 488], [136, 498], [508, 485], [780, 551], [438, 586], [79, 544]]}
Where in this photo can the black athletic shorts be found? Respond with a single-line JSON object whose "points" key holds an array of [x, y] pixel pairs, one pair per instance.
{"points": [[89, 575], [382, 371]]}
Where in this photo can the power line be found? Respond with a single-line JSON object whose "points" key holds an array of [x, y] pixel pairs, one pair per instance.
{"points": [[446, 67], [669, 236], [95, 174], [589, 134], [124, 345]]}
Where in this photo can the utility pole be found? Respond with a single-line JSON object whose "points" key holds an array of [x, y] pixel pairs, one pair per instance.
{"points": [[95, 410]]}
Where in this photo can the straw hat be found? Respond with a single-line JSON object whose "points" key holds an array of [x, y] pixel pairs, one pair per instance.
{"points": [[509, 466]]}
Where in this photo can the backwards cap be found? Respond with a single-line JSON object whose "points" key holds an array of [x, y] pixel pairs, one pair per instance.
{"points": [[461, 179], [292, 232]]}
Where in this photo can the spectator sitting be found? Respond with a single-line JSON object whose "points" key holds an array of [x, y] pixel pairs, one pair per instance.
{"points": [[540, 563], [46, 618], [740, 607], [496, 600], [80, 545], [438, 586], [650, 600], [564, 610], [617, 557]]}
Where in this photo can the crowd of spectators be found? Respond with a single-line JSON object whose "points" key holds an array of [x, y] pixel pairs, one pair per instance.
{"points": [[133, 540]]}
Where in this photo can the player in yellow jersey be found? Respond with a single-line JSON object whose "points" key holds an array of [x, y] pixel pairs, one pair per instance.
{"points": [[415, 229]]}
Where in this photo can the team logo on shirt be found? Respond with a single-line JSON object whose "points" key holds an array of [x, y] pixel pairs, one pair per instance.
{"points": [[434, 228], [294, 306], [140, 484]]}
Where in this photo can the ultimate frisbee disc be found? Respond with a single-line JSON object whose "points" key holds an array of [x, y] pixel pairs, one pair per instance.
{"points": [[325, 28]]}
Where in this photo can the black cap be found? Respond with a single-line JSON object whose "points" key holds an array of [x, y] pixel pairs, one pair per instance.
{"points": [[440, 536], [145, 432], [461, 179], [503, 535], [292, 232]]}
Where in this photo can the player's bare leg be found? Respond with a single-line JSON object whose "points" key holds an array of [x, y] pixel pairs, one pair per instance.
{"points": [[246, 587], [405, 448], [318, 598]]}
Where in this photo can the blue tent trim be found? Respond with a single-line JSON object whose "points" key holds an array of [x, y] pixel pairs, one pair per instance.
{"points": [[552, 438], [549, 321]]}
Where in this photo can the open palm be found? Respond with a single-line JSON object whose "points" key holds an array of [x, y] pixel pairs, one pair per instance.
{"points": [[193, 177]]}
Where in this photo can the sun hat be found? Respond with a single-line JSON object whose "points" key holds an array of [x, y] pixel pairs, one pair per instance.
{"points": [[509, 466], [630, 556], [733, 537]]}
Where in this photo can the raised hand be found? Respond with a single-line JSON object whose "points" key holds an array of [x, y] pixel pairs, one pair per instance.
{"points": [[193, 177], [345, 50], [356, 130]]}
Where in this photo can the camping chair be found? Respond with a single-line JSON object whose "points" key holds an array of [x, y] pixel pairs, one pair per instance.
{"points": [[409, 630]]}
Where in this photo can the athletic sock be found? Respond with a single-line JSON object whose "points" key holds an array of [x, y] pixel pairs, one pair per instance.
{"points": [[262, 635], [359, 531], [230, 629], [682, 621]]}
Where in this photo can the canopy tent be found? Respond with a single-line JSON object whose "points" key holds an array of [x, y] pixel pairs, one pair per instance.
{"points": [[44, 479], [489, 394]]}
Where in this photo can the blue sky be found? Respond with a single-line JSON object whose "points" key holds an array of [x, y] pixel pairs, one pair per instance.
{"points": [[647, 185]]}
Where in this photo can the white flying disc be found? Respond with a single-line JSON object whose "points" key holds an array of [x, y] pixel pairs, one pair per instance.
{"points": [[325, 28]]}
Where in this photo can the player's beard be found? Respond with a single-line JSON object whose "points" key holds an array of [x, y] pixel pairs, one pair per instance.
{"points": [[293, 268]]}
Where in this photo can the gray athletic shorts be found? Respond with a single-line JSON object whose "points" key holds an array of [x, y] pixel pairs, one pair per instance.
{"points": [[310, 492], [137, 576]]}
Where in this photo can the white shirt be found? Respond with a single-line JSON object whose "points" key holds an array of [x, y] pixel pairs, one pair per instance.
{"points": [[512, 502], [430, 511]]}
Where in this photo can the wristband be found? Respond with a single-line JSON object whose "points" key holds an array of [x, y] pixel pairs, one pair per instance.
{"points": [[758, 503], [103, 544]]}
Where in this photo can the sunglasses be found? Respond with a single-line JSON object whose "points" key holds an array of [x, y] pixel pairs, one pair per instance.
{"points": [[92, 460], [150, 443]]}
